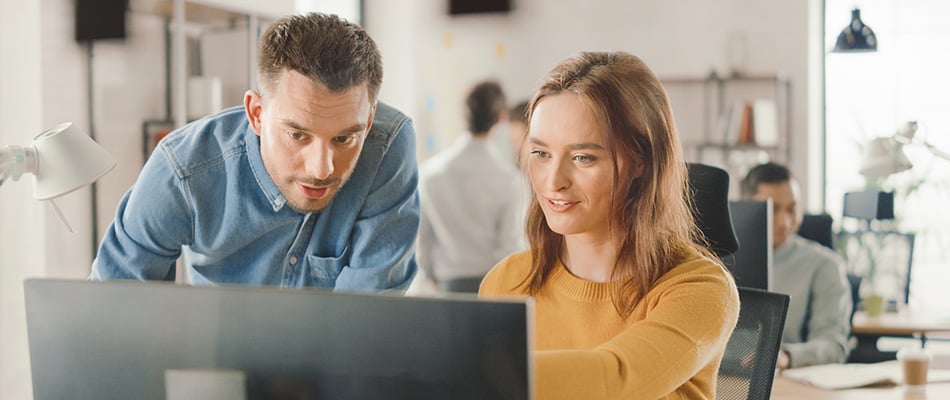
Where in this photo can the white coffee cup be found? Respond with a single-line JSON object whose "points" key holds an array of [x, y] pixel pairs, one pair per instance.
{"points": [[204, 384], [915, 362]]}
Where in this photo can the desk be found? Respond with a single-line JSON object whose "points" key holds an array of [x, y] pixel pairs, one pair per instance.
{"points": [[907, 323], [787, 389]]}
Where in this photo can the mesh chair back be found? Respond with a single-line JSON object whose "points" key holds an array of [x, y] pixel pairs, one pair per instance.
{"points": [[748, 365]]}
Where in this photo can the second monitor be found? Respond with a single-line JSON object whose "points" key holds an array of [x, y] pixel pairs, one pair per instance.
{"points": [[751, 265]]}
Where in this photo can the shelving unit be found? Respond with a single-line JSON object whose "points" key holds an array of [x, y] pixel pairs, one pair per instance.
{"points": [[717, 96], [182, 13], [190, 18]]}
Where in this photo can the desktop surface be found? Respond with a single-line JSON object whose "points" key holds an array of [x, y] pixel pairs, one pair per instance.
{"points": [[114, 340], [788, 389]]}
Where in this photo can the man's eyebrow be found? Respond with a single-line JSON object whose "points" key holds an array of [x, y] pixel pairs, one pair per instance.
{"points": [[359, 127], [293, 125], [575, 146], [297, 127]]}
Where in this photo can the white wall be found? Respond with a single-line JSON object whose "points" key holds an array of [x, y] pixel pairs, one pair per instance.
{"points": [[22, 229], [128, 87], [682, 38]]}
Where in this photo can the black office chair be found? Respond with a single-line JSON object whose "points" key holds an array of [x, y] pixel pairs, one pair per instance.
{"points": [[818, 227], [709, 188], [748, 365]]}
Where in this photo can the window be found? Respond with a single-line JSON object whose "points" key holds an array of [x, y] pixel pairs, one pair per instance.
{"points": [[870, 95]]}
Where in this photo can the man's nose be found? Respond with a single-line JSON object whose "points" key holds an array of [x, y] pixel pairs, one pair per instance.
{"points": [[319, 161], [783, 220]]}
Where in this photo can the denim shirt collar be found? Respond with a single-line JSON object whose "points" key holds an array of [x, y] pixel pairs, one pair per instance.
{"points": [[253, 148]]}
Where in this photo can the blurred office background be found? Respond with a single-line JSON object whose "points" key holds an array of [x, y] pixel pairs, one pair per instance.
{"points": [[127, 91]]}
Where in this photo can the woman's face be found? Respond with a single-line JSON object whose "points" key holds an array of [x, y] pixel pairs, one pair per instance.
{"points": [[569, 166]]}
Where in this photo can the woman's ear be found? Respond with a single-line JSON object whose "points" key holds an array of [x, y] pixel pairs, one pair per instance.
{"points": [[636, 170], [254, 108]]}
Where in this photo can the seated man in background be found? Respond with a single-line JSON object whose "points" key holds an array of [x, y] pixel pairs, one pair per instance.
{"points": [[470, 200], [817, 325]]}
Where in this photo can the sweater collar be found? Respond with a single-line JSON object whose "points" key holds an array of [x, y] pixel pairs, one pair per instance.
{"points": [[564, 281]]}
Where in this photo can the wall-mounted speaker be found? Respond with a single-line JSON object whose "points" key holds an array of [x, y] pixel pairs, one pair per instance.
{"points": [[100, 19]]}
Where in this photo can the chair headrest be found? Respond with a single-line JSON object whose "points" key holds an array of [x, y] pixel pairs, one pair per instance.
{"points": [[709, 188]]}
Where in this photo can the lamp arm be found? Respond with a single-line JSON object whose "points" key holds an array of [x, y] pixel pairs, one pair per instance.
{"points": [[937, 152], [6, 164], [16, 160]]}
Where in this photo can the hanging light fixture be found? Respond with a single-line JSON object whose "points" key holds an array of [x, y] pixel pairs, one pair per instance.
{"points": [[856, 37]]}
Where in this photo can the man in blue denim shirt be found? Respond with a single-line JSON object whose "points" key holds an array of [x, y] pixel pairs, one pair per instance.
{"points": [[311, 183]]}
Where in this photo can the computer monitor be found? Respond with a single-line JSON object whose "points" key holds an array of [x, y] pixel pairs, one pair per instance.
{"points": [[114, 340], [751, 265]]}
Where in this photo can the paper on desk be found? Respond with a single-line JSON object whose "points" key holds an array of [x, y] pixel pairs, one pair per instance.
{"points": [[846, 376]]}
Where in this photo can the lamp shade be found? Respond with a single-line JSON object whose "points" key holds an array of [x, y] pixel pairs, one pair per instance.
{"points": [[882, 157], [856, 37], [67, 160]]}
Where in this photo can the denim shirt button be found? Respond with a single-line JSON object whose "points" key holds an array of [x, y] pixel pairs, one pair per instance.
{"points": [[293, 260]]}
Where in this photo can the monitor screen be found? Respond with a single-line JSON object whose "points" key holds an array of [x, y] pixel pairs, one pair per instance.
{"points": [[751, 265], [115, 340]]}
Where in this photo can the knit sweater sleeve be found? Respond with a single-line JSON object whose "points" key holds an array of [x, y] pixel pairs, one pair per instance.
{"points": [[689, 319]]}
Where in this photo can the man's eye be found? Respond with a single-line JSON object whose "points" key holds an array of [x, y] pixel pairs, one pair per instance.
{"points": [[297, 135], [343, 139]]}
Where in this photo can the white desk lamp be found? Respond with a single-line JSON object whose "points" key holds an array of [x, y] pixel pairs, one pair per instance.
{"points": [[885, 155], [61, 162], [905, 136]]}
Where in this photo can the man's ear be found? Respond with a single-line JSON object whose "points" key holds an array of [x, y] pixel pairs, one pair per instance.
{"points": [[254, 108], [372, 115]]}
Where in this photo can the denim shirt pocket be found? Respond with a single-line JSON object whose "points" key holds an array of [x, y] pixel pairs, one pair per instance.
{"points": [[325, 270]]}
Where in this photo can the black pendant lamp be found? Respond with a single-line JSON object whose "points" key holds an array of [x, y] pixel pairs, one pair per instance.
{"points": [[856, 37]]}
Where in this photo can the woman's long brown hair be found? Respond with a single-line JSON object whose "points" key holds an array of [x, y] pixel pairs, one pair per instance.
{"points": [[650, 214]]}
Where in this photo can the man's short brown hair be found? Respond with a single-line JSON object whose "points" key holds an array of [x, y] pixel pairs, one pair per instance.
{"points": [[325, 48]]}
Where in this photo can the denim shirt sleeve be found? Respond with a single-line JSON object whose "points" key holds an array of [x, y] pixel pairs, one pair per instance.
{"points": [[152, 222], [383, 238]]}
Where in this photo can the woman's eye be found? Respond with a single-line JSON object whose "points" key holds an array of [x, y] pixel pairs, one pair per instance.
{"points": [[583, 158], [539, 153]]}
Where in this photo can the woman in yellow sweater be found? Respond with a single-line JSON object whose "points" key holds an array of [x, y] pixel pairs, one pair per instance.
{"points": [[628, 303]]}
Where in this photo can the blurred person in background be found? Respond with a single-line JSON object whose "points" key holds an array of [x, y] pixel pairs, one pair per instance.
{"points": [[470, 200]]}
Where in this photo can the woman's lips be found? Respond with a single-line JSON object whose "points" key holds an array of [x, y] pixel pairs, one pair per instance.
{"points": [[560, 205]]}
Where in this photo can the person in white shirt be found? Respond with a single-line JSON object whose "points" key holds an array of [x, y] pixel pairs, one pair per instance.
{"points": [[518, 130], [471, 200]]}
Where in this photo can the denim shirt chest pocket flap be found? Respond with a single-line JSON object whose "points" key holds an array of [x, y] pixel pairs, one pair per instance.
{"points": [[325, 270]]}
